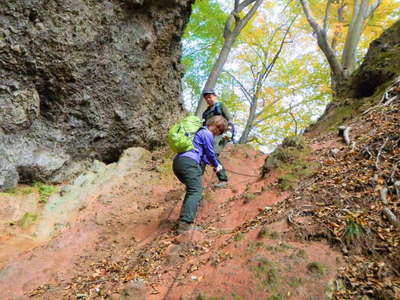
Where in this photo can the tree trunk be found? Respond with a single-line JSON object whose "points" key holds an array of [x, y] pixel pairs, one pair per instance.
{"points": [[215, 72], [249, 123], [322, 40], [230, 37], [341, 70], [353, 37]]}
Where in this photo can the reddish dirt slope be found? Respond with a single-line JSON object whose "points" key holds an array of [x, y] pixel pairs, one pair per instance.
{"points": [[123, 245]]}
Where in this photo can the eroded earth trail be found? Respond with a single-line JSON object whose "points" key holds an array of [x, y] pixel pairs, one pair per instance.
{"points": [[112, 235]]}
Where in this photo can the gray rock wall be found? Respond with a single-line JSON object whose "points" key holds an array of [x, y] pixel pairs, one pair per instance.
{"points": [[85, 79]]}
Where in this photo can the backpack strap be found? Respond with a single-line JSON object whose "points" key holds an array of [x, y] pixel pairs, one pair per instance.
{"points": [[218, 110]]}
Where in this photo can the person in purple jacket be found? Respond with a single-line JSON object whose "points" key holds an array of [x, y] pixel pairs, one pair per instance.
{"points": [[186, 167]]}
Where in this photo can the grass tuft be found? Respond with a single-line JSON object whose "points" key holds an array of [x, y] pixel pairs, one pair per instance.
{"points": [[295, 282], [316, 268], [267, 273], [238, 237], [248, 196], [26, 220], [276, 297]]}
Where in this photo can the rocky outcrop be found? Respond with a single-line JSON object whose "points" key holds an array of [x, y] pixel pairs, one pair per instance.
{"points": [[84, 80]]}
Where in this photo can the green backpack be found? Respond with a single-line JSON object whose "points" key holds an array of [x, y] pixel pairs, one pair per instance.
{"points": [[181, 134]]}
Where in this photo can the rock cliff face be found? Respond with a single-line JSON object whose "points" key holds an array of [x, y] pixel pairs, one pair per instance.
{"points": [[85, 79]]}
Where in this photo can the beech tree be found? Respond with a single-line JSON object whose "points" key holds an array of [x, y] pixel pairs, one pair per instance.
{"points": [[260, 70], [202, 43], [236, 21], [351, 26], [281, 88]]}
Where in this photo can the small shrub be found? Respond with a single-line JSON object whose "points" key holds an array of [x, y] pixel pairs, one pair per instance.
{"points": [[352, 232], [45, 191], [295, 141], [290, 149]]}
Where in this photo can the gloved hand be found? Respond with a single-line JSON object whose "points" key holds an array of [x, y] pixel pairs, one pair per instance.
{"points": [[227, 135], [218, 168]]}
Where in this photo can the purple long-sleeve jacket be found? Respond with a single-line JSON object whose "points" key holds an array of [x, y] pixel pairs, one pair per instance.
{"points": [[203, 151]]}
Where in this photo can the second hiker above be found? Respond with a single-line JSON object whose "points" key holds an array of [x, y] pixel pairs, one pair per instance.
{"points": [[216, 108]]}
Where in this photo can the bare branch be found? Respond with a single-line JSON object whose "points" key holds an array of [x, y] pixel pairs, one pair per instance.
{"points": [[230, 37], [344, 133], [322, 40], [310, 18], [243, 5], [249, 15], [277, 113], [379, 154], [294, 120], [242, 87], [383, 194], [263, 60], [326, 18], [253, 72], [397, 188], [277, 54], [260, 112], [372, 8], [391, 217], [336, 34], [200, 49]]}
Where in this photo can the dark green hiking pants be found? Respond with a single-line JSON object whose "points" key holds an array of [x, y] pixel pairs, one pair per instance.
{"points": [[189, 173]]}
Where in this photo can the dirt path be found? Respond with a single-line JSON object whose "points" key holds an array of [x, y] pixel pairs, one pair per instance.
{"points": [[122, 245]]}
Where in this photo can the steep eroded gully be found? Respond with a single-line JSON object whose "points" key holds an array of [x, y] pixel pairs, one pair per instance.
{"points": [[121, 243]]}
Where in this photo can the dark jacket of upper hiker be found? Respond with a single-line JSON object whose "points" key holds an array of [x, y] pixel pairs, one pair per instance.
{"points": [[216, 108]]}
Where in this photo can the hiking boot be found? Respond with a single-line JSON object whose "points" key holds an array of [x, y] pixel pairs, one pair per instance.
{"points": [[183, 227], [221, 184]]}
